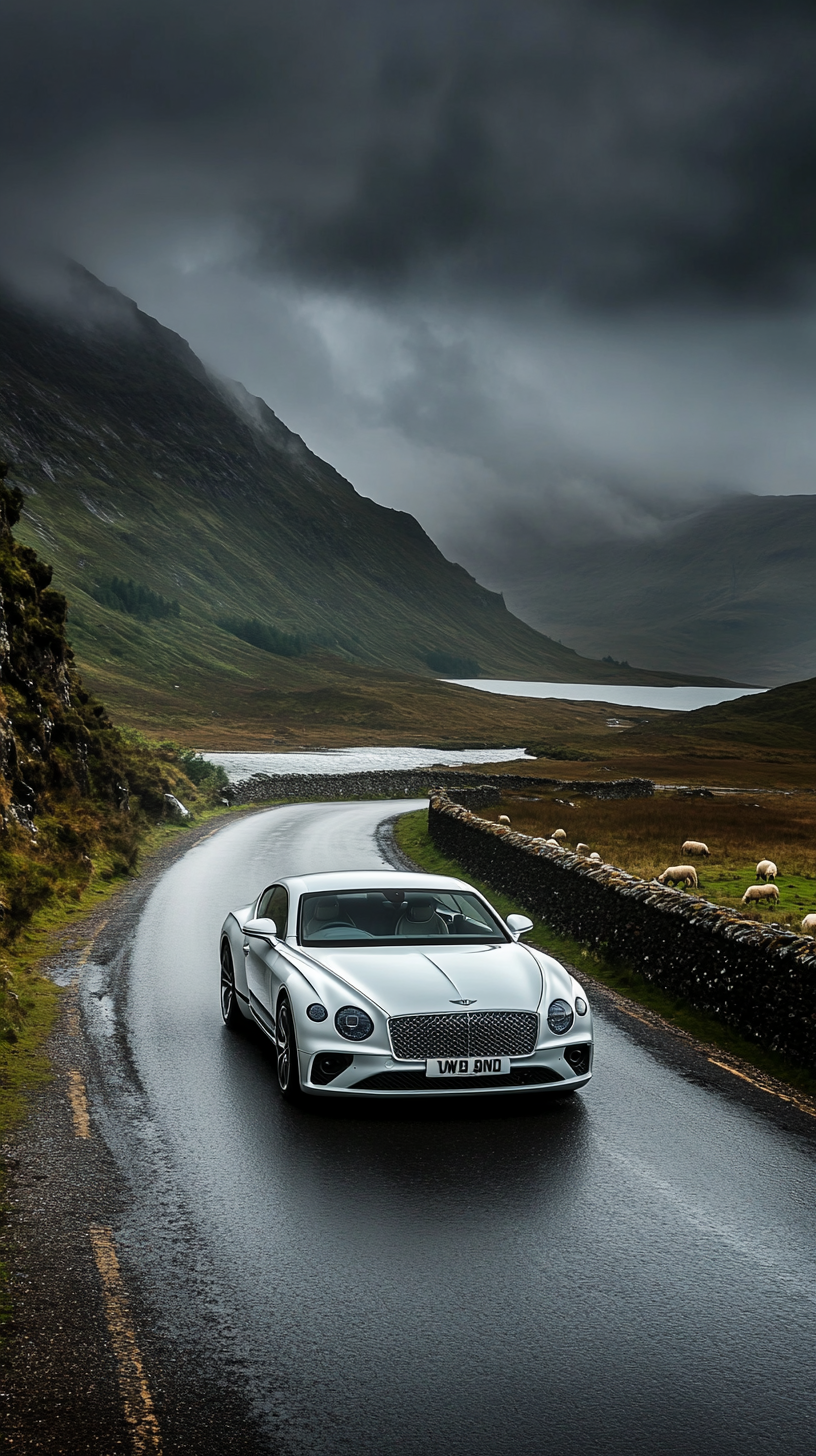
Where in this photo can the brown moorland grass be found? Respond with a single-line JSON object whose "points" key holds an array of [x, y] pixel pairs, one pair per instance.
{"points": [[644, 836]]}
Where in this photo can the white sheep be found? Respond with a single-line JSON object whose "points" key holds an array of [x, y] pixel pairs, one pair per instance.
{"points": [[679, 874], [694, 846], [582, 849], [809, 923], [760, 892], [595, 858], [559, 834], [553, 844], [766, 870], [503, 819]]}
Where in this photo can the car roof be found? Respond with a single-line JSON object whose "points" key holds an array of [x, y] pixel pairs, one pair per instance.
{"points": [[375, 879]]}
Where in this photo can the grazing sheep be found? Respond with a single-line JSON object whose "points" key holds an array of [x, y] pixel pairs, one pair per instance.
{"points": [[809, 923], [694, 846], [679, 874], [766, 870], [595, 857], [503, 819], [559, 834], [582, 849], [760, 892]]}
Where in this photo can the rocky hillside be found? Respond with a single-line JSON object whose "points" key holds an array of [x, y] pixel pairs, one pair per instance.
{"points": [[76, 794], [202, 546]]}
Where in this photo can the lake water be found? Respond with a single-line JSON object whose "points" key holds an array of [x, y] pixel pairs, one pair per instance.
{"points": [[355, 760], [678, 700]]}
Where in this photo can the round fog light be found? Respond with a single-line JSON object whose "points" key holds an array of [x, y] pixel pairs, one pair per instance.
{"points": [[316, 1012], [580, 1006]]}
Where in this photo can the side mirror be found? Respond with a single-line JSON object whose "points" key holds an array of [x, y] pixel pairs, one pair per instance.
{"points": [[518, 925], [262, 929]]}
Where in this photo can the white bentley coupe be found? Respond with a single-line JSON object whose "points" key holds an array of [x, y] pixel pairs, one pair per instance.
{"points": [[382, 983]]}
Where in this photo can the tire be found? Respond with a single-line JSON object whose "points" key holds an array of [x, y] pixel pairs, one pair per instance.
{"points": [[231, 1014], [287, 1053]]}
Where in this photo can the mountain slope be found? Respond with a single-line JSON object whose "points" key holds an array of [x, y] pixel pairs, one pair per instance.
{"points": [[137, 465], [783, 719], [729, 592]]}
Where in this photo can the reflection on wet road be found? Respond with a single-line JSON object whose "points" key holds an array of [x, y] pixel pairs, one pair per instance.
{"points": [[629, 1270]]}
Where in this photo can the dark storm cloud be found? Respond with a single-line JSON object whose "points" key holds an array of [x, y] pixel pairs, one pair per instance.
{"points": [[606, 153]]}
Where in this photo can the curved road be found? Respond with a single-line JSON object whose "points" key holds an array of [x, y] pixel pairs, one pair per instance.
{"points": [[631, 1270]]}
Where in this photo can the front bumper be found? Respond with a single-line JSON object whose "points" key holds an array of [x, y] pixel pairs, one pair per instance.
{"points": [[373, 1074]]}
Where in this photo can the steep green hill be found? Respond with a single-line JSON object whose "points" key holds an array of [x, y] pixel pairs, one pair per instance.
{"points": [[169, 503]]}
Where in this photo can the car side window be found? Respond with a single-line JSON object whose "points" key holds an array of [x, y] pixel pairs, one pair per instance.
{"points": [[274, 905]]}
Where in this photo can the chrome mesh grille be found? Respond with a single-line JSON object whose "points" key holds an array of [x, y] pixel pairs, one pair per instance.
{"points": [[464, 1034]]}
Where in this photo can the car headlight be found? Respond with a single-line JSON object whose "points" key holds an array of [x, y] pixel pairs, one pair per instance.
{"points": [[353, 1023], [316, 1012], [559, 1017], [580, 1006]]}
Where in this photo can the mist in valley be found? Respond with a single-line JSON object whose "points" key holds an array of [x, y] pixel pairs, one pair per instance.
{"points": [[541, 275]]}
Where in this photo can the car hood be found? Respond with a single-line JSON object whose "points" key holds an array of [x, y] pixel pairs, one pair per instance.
{"points": [[401, 979]]}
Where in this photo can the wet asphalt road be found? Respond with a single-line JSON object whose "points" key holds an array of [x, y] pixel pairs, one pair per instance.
{"points": [[630, 1270]]}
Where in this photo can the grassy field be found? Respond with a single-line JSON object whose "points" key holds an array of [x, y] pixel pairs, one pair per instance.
{"points": [[643, 836], [412, 837]]}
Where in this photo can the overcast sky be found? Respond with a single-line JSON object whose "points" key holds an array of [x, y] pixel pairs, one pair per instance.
{"points": [[548, 257]]}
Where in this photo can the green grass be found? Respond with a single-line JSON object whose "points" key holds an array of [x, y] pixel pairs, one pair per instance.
{"points": [[797, 894], [413, 838]]}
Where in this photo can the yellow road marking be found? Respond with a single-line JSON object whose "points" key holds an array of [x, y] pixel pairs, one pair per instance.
{"points": [[78, 1098], [83, 959], [644, 1019], [772, 1092], [135, 1391]]}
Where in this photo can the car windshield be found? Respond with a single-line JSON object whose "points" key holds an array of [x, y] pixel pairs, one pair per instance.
{"points": [[401, 917]]}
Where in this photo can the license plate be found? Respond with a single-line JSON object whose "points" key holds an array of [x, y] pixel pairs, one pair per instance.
{"points": [[467, 1067]]}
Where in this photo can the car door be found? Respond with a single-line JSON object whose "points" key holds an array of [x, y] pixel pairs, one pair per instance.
{"points": [[261, 960]]}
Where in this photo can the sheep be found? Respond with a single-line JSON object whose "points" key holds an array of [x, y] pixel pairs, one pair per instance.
{"points": [[682, 874], [809, 923], [553, 843], [694, 846], [595, 858], [760, 892], [766, 870], [503, 819], [559, 834], [582, 849]]}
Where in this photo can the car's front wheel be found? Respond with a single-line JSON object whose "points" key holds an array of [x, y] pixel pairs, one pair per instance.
{"points": [[230, 1010], [287, 1054]]}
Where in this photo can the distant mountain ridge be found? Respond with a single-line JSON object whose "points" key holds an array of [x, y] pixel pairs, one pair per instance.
{"points": [[137, 465], [733, 592]]}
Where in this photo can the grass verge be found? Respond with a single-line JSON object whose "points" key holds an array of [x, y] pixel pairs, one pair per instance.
{"points": [[414, 840]]}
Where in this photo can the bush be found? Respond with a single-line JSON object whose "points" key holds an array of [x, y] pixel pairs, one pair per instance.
{"points": [[201, 772]]}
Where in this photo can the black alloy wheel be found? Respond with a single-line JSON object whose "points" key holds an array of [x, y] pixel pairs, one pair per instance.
{"points": [[287, 1054], [230, 1010]]}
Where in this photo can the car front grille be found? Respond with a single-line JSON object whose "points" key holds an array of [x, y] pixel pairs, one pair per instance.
{"points": [[418, 1082], [464, 1034]]}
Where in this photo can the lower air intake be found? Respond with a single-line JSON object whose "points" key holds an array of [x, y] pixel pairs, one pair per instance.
{"points": [[418, 1082]]}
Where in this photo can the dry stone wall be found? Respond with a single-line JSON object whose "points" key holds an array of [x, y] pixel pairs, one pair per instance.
{"points": [[759, 979], [474, 789]]}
